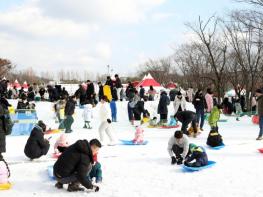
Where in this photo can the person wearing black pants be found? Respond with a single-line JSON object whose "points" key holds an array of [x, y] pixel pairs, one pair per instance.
{"points": [[37, 145], [163, 107], [187, 117], [199, 104]]}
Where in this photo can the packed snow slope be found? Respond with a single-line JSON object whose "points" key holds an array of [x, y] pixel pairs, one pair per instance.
{"points": [[146, 171]]}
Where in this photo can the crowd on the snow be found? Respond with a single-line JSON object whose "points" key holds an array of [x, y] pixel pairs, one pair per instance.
{"points": [[78, 164]]}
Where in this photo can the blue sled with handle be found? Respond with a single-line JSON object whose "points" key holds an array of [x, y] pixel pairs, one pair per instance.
{"points": [[194, 169]]}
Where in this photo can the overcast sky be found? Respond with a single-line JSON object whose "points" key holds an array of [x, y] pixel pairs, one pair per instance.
{"points": [[90, 34]]}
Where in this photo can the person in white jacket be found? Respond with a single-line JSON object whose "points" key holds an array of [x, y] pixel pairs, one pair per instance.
{"points": [[179, 103], [178, 145], [105, 118], [87, 115]]}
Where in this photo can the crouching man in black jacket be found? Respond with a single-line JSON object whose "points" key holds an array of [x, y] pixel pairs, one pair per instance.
{"points": [[37, 145], [74, 165]]}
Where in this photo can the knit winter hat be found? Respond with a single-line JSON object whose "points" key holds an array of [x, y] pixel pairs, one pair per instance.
{"points": [[192, 147], [42, 125], [62, 141]]}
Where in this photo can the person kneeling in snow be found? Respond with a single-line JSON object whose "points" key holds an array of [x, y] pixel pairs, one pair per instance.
{"points": [[4, 171], [214, 139], [138, 139], [178, 145], [61, 144], [198, 154], [74, 165], [36, 145]]}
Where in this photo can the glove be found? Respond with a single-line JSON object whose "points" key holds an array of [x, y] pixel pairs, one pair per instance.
{"points": [[173, 160], [96, 188], [109, 121]]}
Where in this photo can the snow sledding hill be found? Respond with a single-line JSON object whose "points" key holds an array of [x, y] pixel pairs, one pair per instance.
{"points": [[145, 171]]}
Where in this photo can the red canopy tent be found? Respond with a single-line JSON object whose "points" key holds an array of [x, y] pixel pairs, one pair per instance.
{"points": [[148, 81], [16, 84], [25, 85], [135, 83], [171, 85]]}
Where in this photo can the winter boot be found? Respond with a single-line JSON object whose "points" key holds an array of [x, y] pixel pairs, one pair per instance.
{"points": [[59, 185], [89, 127], [98, 179], [259, 138], [74, 187], [85, 126]]}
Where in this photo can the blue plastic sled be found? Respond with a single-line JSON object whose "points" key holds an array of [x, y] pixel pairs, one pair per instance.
{"points": [[50, 172], [222, 120], [130, 142], [217, 147], [193, 169]]}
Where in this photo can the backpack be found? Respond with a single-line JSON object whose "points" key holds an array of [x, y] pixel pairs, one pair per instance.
{"points": [[214, 139]]}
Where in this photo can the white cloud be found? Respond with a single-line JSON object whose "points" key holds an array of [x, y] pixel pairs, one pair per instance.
{"points": [[119, 11], [103, 50], [65, 34], [29, 20]]}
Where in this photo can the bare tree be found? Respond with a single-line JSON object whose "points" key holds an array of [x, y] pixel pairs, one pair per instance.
{"points": [[5, 67], [162, 70], [193, 65], [246, 42], [214, 46]]}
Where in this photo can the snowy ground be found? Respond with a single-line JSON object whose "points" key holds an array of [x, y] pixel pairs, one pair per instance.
{"points": [[146, 170]]}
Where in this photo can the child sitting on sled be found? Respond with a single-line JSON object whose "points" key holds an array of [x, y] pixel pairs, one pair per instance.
{"points": [[138, 139], [172, 121], [153, 122], [61, 144], [198, 154], [96, 171], [214, 138], [4, 171]]}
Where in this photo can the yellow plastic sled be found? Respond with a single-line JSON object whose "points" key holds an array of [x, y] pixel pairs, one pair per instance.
{"points": [[5, 186], [11, 110]]}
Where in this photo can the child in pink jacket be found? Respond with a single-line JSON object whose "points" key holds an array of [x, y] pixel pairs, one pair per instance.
{"points": [[4, 172], [61, 144], [138, 135]]}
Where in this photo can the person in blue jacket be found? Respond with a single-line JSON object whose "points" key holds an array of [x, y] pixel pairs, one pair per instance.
{"points": [[113, 107], [198, 154]]}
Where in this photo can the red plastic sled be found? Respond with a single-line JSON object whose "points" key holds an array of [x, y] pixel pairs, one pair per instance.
{"points": [[260, 150], [169, 127], [255, 119]]}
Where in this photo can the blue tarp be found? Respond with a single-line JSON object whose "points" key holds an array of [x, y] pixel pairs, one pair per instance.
{"points": [[24, 122]]}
